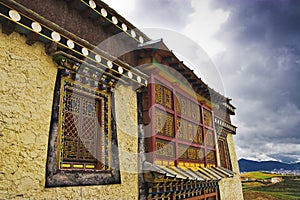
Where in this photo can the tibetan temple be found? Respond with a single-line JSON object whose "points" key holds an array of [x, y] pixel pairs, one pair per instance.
{"points": [[92, 108]]}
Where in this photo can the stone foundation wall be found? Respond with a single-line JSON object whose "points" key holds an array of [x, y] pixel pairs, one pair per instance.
{"points": [[27, 78], [233, 158], [231, 188]]}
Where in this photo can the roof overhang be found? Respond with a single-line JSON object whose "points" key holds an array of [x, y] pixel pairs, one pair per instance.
{"points": [[157, 52], [60, 43], [158, 173]]}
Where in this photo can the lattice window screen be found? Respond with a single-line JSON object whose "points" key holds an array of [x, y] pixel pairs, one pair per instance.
{"points": [[84, 129]]}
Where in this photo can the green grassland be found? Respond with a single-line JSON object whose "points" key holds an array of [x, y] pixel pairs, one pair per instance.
{"points": [[259, 175], [288, 189], [250, 185]]}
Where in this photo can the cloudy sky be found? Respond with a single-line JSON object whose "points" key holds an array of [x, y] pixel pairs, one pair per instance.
{"points": [[255, 46]]}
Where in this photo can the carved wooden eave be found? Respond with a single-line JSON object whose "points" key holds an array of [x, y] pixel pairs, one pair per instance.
{"points": [[224, 127], [157, 51], [99, 11], [16, 18], [164, 180]]}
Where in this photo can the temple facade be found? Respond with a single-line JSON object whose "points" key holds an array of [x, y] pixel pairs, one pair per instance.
{"points": [[92, 108]]}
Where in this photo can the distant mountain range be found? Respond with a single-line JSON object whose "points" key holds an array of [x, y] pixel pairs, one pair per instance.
{"points": [[250, 165]]}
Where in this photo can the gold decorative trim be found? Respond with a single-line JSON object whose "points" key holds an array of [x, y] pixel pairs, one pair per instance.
{"points": [[29, 24]]}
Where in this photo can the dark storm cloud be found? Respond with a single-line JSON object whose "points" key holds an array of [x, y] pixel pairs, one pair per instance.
{"points": [[162, 13], [261, 70], [292, 156]]}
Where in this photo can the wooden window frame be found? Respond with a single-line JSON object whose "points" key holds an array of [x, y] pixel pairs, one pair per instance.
{"points": [[58, 174], [100, 160], [224, 152]]}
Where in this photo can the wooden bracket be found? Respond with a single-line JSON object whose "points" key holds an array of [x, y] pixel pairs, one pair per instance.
{"points": [[52, 47], [32, 38], [8, 27]]}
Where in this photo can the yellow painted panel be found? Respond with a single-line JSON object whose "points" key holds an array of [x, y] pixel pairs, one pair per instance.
{"points": [[64, 165], [158, 162], [77, 166]]}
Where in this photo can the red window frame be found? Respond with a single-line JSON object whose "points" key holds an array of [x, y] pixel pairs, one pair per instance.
{"points": [[176, 141]]}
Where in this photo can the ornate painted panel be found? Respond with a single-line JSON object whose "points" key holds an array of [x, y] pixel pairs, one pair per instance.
{"points": [[199, 138], [165, 148], [189, 131], [158, 94], [209, 135], [177, 102], [168, 98], [211, 157], [184, 105], [164, 123], [187, 108], [190, 153], [163, 96], [207, 115]]}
